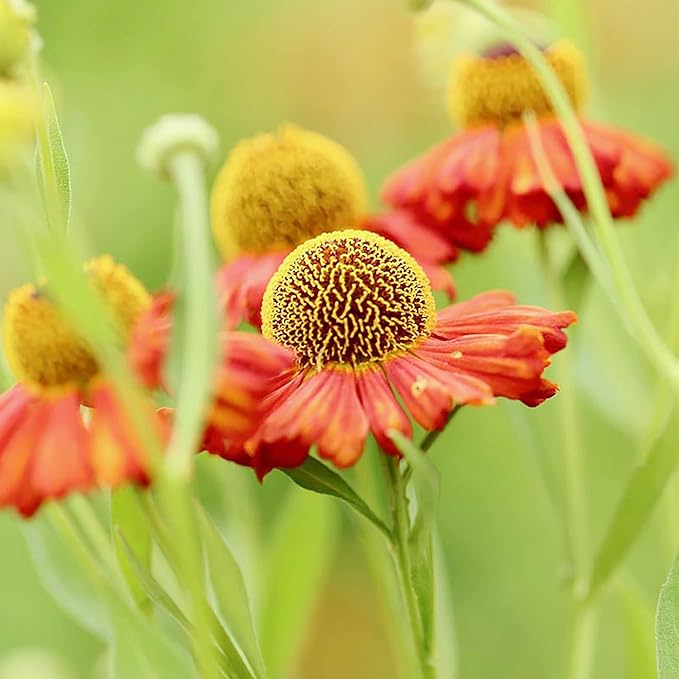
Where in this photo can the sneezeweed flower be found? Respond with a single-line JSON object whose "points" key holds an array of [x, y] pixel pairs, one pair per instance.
{"points": [[359, 314], [274, 192], [49, 445], [486, 173], [250, 363]]}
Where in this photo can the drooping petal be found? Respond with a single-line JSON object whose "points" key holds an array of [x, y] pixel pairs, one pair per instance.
{"points": [[495, 312], [430, 391], [241, 284], [381, 407], [43, 449], [117, 450]]}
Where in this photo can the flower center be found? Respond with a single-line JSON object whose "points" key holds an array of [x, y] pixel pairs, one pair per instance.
{"points": [[500, 86], [44, 353], [277, 190], [349, 297]]}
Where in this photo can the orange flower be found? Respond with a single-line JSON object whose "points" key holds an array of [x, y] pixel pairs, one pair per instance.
{"points": [[48, 446], [244, 376], [276, 191], [358, 313], [486, 173]]}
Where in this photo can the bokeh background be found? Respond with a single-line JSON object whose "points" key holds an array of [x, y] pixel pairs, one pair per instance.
{"points": [[367, 74]]}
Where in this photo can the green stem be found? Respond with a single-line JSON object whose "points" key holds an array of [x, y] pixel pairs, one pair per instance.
{"points": [[401, 544], [570, 448], [430, 439], [627, 302], [200, 327]]}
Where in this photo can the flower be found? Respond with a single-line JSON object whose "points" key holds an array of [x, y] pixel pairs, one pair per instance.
{"points": [[359, 314], [486, 173], [248, 366], [274, 192], [48, 446]]}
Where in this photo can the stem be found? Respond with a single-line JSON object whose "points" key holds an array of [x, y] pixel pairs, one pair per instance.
{"points": [[401, 544], [634, 316], [200, 328], [574, 520], [430, 439]]}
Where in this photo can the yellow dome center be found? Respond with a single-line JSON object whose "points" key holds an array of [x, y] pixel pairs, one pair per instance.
{"points": [[44, 353], [347, 298], [501, 86], [278, 190]]}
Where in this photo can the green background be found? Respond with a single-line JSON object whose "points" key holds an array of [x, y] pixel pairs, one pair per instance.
{"points": [[350, 70]]}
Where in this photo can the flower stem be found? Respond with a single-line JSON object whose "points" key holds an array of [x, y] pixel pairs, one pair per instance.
{"points": [[401, 544], [199, 327], [570, 447]]}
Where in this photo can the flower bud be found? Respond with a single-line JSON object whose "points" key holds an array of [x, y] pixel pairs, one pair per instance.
{"points": [[16, 22], [17, 114]]}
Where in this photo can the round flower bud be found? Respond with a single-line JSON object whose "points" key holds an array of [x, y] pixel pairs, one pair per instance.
{"points": [[17, 113], [16, 22]]}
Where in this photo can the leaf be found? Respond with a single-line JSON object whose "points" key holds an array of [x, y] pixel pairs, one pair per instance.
{"points": [[576, 280], [300, 552], [643, 492], [426, 481], [60, 171], [127, 518], [637, 619], [140, 649], [316, 477], [667, 626], [445, 637], [63, 576], [147, 584], [233, 605]]}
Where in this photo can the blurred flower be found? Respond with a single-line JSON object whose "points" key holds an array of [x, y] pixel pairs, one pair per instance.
{"points": [[274, 192], [16, 24], [17, 112], [358, 312], [250, 363], [486, 173], [49, 446]]}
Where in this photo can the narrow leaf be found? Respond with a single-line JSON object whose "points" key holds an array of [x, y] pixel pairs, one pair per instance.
{"points": [[62, 575], [316, 477], [127, 518], [643, 492], [426, 481], [60, 172], [231, 597], [148, 584], [667, 626]]}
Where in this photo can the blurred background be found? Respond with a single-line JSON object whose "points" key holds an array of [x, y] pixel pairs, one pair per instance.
{"points": [[370, 75]]}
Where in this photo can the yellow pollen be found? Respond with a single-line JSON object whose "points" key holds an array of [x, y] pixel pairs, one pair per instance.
{"points": [[498, 89], [348, 298], [44, 353], [277, 190]]}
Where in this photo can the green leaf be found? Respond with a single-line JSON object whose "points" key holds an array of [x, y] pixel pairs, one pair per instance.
{"points": [[643, 492], [146, 583], [667, 626], [300, 552], [231, 597], [445, 636], [127, 518], [426, 482], [140, 649], [56, 168], [63, 576], [316, 477], [576, 280], [637, 620]]}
